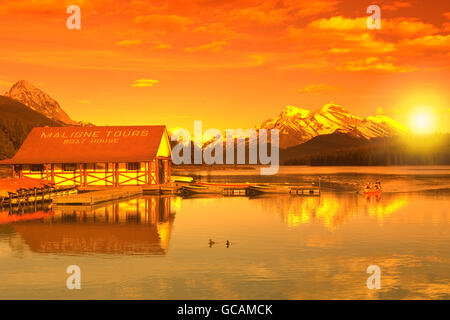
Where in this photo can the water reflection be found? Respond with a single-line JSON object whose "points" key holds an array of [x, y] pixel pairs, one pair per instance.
{"points": [[332, 210], [283, 247], [137, 226]]}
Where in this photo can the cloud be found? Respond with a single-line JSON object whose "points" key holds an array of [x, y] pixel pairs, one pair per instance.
{"points": [[447, 15], [318, 88], [167, 23], [396, 26], [127, 43], [408, 27], [142, 83], [312, 8], [5, 83], [280, 12], [339, 50], [211, 47], [374, 64], [366, 43], [162, 46], [340, 23], [396, 5], [429, 42]]}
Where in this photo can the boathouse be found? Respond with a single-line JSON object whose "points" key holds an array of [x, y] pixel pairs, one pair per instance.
{"points": [[95, 156]]}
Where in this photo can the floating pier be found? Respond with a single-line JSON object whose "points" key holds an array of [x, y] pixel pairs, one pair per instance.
{"points": [[304, 191], [94, 197], [248, 189]]}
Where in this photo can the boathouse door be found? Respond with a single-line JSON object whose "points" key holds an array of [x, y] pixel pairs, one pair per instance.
{"points": [[161, 172]]}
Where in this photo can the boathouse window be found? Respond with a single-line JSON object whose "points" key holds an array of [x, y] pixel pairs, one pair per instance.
{"points": [[69, 167], [37, 168], [133, 166]]}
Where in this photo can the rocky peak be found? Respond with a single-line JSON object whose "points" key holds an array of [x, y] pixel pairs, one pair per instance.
{"points": [[39, 101]]}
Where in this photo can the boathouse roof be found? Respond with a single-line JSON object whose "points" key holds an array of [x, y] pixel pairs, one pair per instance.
{"points": [[92, 144]]}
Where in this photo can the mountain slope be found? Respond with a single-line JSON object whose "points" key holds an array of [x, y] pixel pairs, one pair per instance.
{"points": [[342, 149], [324, 143], [16, 121], [36, 99], [298, 125]]}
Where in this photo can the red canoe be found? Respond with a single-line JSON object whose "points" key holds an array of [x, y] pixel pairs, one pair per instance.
{"points": [[372, 191]]}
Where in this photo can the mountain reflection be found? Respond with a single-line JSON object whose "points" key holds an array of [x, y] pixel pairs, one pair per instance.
{"points": [[333, 210], [137, 226]]}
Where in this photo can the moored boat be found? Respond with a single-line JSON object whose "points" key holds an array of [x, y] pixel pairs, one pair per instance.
{"points": [[201, 189], [372, 191], [268, 189]]}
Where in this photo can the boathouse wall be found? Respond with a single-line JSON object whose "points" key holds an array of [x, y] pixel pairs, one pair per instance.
{"points": [[99, 174]]}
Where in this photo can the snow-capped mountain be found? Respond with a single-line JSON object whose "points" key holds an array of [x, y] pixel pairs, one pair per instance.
{"points": [[298, 125], [39, 101]]}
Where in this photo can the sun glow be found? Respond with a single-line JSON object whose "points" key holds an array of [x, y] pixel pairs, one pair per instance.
{"points": [[423, 121]]}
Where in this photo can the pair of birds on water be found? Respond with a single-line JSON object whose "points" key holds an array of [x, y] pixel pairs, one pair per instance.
{"points": [[210, 242]]}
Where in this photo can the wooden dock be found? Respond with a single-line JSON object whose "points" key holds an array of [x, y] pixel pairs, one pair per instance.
{"points": [[94, 197], [235, 191], [304, 191], [249, 189], [29, 197]]}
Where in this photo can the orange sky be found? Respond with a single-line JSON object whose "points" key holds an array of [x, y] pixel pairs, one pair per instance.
{"points": [[229, 63]]}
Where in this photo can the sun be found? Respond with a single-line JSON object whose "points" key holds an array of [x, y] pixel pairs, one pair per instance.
{"points": [[423, 121]]}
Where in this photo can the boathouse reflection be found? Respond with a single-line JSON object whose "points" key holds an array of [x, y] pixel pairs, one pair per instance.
{"points": [[137, 226]]}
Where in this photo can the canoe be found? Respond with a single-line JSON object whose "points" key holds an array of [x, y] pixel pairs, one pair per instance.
{"points": [[268, 189], [196, 189], [372, 191]]}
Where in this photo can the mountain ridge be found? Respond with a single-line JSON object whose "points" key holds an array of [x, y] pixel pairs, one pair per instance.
{"points": [[298, 125], [16, 121], [37, 100]]}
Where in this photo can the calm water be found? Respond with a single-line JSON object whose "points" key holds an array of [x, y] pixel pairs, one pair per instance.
{"points": [[282, 247]]}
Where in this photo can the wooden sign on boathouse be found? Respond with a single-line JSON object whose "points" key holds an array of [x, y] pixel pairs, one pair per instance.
{"points": [[95, 156]]}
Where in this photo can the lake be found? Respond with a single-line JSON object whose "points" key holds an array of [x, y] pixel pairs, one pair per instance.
{"points": [[282, 247]]}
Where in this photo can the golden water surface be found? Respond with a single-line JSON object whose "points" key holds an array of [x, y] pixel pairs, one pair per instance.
{"points": [[282, 247]]}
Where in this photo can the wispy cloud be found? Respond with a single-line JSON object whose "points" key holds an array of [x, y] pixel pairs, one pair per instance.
{"points": [[211, 47], [142, 83], [374, 64], [127, 43], [166, 23], [318, 88], [396, 5], [5, 83], [162, 45]]}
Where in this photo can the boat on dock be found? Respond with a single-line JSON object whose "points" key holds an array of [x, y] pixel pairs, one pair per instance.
{"points": [[268, 189], [201, 189]]}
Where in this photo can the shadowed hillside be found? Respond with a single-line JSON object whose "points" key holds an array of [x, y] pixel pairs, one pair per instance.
{"points": [[16, 121], [341, 149]]}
